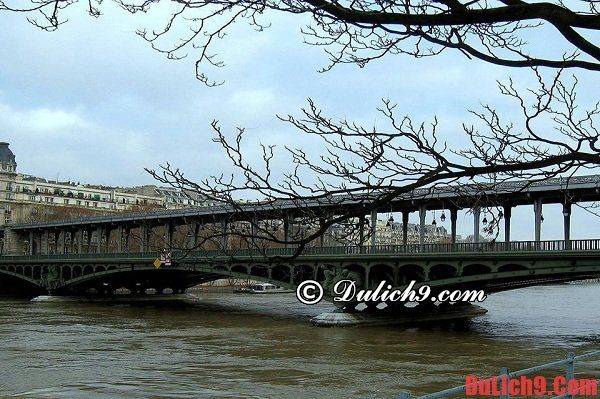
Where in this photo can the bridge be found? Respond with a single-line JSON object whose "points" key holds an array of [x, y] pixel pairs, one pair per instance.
{"points": [[102, 254]]}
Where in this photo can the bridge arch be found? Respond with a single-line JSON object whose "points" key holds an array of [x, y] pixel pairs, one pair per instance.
{"points": [[407, 273], [259, 271], [87, 269], [66, 273], [281, 273], [302, 273], [442, 271], [239, 269], [18, 284], [475, 269], [381, 272]]}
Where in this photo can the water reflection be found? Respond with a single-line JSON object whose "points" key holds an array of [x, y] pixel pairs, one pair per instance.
{"points": [[253, 346]]}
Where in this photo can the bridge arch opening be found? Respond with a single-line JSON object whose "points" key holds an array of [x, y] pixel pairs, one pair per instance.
{"points": [[76, 271], [19, 270], [281, 273], [259, 271], [99, 269], [407, 273], [379, 273], [88, 270], [442, 271], [66, 273], [37, 272], [475, 269], [302, 273], [28, 271], [239, 269]]}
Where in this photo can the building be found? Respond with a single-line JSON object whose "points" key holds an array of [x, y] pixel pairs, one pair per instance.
{"points": [[389, 232], [25, 198]]}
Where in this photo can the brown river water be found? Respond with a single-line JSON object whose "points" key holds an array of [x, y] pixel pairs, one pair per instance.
{"points": [[262, 346]]}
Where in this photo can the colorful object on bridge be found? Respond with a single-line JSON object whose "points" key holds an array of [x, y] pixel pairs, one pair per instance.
{"points": [[157, 263]]}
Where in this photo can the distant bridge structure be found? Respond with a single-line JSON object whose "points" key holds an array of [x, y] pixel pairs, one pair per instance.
{"points": [[104, 253]]}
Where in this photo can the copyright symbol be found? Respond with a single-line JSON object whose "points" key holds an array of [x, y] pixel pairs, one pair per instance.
{"points": [[309, 292]]}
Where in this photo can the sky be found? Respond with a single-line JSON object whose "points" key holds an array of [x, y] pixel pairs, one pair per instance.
{"points": [[93, 103]]}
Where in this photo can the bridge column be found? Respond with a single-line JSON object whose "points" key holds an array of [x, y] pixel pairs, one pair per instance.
{"points": [[99, 234], [89, 233], [567, 221], [31, 243], [422, 215], [144, 238], [56, 235], [405, 216], [476, 216], [169, 229], [127, 238], [453, 218], [537, 209], [373, 228], [120, 239], [361, 232], [80, 241], [322, 237], [224, 237], [507, 215], [287, 226], [45, 242], [196, 238], [62, 245]]}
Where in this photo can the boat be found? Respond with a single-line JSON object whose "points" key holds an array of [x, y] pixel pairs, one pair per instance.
{"points": [[263, 288]]}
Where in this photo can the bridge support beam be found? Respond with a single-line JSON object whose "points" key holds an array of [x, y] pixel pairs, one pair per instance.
{"points": [[46, 242], [537, 209], [80, 241], [507, 216], [422, 215], [373, 228], [144, 238], [224, 236], [476, 217], [127, 242], [405, 216], [169, 229], [287, 227], [89, 234], [31, 243], [99, 240], [62, 244], [567, 221], [453, 218], [120, 239]]}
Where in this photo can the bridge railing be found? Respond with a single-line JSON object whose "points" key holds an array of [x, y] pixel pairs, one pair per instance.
{"points": [[460, 391], [588, 245]]}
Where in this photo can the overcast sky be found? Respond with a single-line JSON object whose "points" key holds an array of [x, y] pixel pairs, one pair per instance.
{"points": [[94, 103]]}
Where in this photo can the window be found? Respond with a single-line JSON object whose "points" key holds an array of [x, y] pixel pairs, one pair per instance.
{"points": [[66, 201]]}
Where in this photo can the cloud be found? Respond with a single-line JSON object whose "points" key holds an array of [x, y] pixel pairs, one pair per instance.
{"points": [[54, 122]]}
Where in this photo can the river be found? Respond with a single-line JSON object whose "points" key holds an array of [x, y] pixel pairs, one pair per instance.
{"points": [[262, 346]]}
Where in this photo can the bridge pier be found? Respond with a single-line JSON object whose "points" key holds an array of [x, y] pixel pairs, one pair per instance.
{"points": [[476, 222], [405, 216], [422, 215], [567, 220], [507, 216], [537, 209], [453, 218], [373, 228]]}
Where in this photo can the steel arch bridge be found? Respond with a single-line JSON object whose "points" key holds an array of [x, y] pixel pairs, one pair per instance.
{"points": [[490, 266]]}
